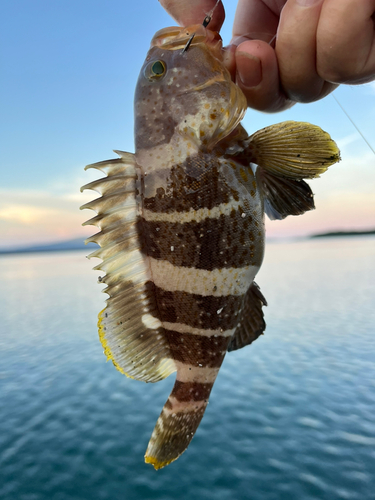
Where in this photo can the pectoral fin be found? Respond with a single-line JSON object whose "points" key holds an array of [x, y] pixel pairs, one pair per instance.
{"points": [[251, 323], [296, 150], [287, 153]]}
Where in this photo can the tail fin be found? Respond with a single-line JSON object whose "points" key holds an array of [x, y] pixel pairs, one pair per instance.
{"points": [[181, 415]]}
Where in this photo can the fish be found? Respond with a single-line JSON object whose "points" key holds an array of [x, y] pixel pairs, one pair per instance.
{"points": [[181, 225]]}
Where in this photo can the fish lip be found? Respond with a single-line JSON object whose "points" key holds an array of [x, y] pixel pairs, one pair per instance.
{"points": [[175, 38]]}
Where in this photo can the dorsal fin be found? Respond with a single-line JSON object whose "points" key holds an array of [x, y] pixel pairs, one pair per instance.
{"points": [[131, 335]]}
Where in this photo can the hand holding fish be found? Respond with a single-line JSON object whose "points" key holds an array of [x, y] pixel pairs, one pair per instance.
{"points": [[320, 44]]}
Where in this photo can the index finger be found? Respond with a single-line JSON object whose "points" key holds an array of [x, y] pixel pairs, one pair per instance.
{"points": [[194, 12]]}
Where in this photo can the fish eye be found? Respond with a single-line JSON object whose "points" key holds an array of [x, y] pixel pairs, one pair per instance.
{"points": [[158, 68], [155, 70]]}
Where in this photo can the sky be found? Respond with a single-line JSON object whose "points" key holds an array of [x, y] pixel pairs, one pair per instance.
{"points": [[68, 74]]}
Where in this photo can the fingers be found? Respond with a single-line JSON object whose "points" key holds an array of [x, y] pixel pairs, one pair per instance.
{"points": [[255, 20], [255, 67], [322, 43], [296, 50], [194, 11], [257, 76], [253, 64], [346, 41]]}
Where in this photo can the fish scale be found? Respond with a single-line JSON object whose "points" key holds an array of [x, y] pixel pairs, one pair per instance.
{"points": [[182, 225]]}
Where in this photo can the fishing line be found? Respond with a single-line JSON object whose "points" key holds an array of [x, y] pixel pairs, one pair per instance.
{"points": [[343, 109], [353, 123], [210, 14], [205, 23]]}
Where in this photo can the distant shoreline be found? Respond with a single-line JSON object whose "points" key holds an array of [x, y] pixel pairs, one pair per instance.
{"points": [[78, 244], [62, 246], [343, 233]]}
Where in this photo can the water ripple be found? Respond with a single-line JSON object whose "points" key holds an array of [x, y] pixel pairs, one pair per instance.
{"points": [[290, 418]]}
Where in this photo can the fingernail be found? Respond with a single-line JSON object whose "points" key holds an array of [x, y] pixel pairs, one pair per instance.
{"points": [[307, 3], [249, 69]]}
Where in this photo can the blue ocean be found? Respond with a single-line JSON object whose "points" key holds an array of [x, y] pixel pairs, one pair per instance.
{"points": [[291, 417]]}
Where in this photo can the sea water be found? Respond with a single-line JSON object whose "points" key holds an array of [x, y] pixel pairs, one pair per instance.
{"points": [[290, 417]]}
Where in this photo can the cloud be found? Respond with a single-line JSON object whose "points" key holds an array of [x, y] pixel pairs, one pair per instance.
{"points": [[23, 214], [36, 216]]}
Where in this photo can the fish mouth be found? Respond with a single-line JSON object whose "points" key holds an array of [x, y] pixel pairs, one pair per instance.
{"points": [[175, 38]]}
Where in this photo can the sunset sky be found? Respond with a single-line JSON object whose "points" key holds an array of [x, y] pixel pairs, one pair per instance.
{"points": [[69, 70]]}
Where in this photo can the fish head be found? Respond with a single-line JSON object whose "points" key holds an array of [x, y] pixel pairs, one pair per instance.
{"points": [[185, 97]]}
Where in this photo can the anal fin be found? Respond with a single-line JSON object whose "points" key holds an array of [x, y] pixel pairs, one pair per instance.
{"points": [[251, 323]]}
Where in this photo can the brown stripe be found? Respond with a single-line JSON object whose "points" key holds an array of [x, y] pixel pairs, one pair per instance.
{"points": [[191, 391], [197, 350], [195, 183], [214, 243], [196, 310], [168, 405]]}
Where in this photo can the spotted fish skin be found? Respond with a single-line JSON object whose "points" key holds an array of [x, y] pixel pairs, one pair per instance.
{"points": [[199, 235], [182, 226]]}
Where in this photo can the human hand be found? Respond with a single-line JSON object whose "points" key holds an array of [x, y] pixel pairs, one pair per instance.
{"points": [[319, 44]]}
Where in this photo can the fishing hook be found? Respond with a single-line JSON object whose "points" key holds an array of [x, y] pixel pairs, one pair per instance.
{"points": [[205, 23]]}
